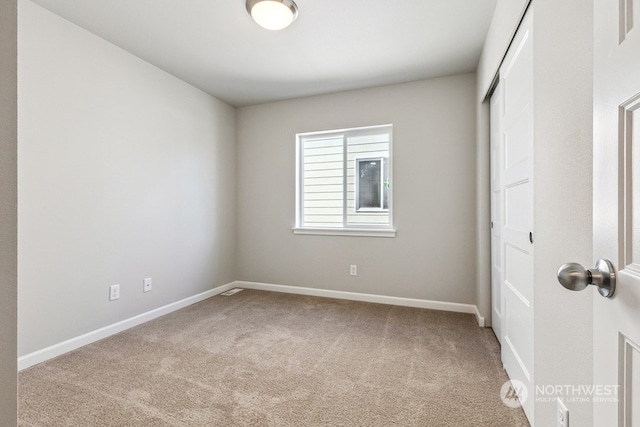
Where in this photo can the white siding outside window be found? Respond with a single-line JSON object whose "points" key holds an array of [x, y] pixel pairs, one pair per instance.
{"points": [[323, 182], [328, 199]]}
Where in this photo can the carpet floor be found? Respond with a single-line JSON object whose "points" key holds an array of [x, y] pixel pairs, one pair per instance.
{"points": [[269, 359]]}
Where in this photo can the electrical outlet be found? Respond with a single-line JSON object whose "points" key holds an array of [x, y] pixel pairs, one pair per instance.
{"points": [[147, 284], [353, 270], [562, 414], [114, 292]]}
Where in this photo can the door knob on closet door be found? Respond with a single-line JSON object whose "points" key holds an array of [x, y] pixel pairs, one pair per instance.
{"points": [[575, 277]]}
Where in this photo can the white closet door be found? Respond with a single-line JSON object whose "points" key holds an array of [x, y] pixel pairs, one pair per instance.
{"points": [[516, 219], [512, 211], [497, 113]]}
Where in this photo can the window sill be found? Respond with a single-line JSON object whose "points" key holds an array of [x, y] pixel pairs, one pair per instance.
{"points": [[354, 232]]}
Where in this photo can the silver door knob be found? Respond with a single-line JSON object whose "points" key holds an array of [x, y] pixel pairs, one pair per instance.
{"points": [[575, 277]]}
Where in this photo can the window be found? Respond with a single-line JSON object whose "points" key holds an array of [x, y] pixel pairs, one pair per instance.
{"points": [[344, 182]]}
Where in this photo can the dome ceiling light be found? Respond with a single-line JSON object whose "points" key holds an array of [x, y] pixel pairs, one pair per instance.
{"points": [[273, 14]]}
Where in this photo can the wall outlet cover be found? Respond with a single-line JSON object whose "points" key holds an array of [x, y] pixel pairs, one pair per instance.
{"points": [[562, 414], [114, 292]]}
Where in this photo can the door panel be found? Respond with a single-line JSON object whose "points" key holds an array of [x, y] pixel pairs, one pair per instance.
{"points": [[516, 150], [517, 334], [497, 142], [516, 186], [518, 273], [517, 206], [630, 140], [616, 201]]}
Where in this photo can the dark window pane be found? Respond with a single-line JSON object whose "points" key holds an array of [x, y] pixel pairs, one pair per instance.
{"points": [[369, 180]]}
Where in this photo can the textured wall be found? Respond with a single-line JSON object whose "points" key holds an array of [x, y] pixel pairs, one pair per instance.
{"points": [[125, 172], [432, 256], [563, 138]]}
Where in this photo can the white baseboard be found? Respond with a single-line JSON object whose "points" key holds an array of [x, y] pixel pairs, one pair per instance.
{"points": [[479, 317], [380, 299], [71, 344]]}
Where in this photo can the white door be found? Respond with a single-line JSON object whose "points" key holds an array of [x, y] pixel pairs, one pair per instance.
{"points": [[516, 220], [496, 212], [616, 200]]}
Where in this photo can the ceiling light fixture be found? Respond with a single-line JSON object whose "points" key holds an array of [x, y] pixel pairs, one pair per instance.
{"points": [[273, 14]]}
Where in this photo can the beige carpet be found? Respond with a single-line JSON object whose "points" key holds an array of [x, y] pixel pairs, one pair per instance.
{"points": [[270, 359]]}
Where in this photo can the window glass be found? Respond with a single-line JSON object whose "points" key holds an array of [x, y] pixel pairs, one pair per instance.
{"points": [[371, 185], [369, 180]]}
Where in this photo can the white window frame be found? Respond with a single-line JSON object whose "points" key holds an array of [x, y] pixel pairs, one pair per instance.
{"points": [[370, 230]]}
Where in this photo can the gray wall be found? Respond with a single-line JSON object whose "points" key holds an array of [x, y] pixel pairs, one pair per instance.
{"points": [[8, 212], [563, 137], [432, 256], [125, 172]]}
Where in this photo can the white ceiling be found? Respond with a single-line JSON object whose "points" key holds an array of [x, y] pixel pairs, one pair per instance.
{"points": [[333, 45]]}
